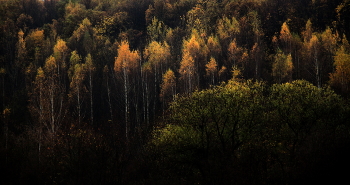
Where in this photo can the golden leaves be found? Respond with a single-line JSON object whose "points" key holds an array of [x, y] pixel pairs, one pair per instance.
{"points": [[126, 59]]}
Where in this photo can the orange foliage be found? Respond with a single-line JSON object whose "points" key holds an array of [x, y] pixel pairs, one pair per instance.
{"points": [[126, 59]]}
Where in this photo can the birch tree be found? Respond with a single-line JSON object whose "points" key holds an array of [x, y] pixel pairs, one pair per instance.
{"points": [[90, 68], [125, 64]]}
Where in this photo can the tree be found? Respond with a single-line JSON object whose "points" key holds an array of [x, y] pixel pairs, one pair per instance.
{"points": [[81, 38], [340, 78], [167, 89], [168, 86], [35, 41], [90, 68], [158, 55], [307, 33], [301, 110], [256, 55], [285, 38], [106, 75], [60, 52], [228, 28], [187, 72], [21, 51], [54, 95], [195, 48], [233, 53], [207, 130], [74, 59], [329, 41], [313, 49], [212, 69], [77, 88], [156, 30], [282, 67], [125, 64], [214, 47]]}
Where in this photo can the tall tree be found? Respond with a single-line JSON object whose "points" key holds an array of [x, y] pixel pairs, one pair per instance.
{"points": [[77, 88], [285, 38], [282, 67], [125, 64], [187, 72], [90, 68], [60, 53], [21, 60], [340, 78], [157, 56], [314, 51], [214, 47], [195, 47], [212, 69], [228, 28]]}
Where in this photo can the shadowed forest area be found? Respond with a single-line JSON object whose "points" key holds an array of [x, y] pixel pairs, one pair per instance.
{"points": [[174, 91]]}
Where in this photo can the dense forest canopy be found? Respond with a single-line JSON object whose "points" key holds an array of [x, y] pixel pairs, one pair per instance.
{"points": [[174, 91]]}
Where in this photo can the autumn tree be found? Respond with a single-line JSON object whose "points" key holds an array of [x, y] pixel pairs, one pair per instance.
{"points": [[74, 14], [90, 68], [228, 28], [196, 19], [340, 78], [285, 38], [307, 33], [60, 52], [126, 63], [158, 55], [282, 67], [187, 72], [111, 26], [168, 88], [234, 52], [74, 59], [82, 37], [214, 47], [48, 97], [329, 43], [194, 51], [21, 51], [35, 41], [256, 59], [157, 30], [77, 88], [212, 69], [313, 48], [107, 78]]}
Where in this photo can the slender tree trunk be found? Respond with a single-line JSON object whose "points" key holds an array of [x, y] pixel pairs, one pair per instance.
{"points": [[126, 102], [91, 98], [109, 99], [317, 66], [78, 99], [6, 134], [52, 121]]}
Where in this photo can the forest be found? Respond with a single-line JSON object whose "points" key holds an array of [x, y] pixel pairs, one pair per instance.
{"points": [[174, 91]]}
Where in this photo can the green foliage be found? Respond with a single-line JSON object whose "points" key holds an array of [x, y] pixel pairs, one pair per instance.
{"points": [[234, 120]]}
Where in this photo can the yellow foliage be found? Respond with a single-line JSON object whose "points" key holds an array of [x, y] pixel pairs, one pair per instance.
{"points": [[211, 67], [341, 76], [168, 85], [282, 67], [60, 50], [157, 53], [126, 59], [50, 65], [227, 27]]}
